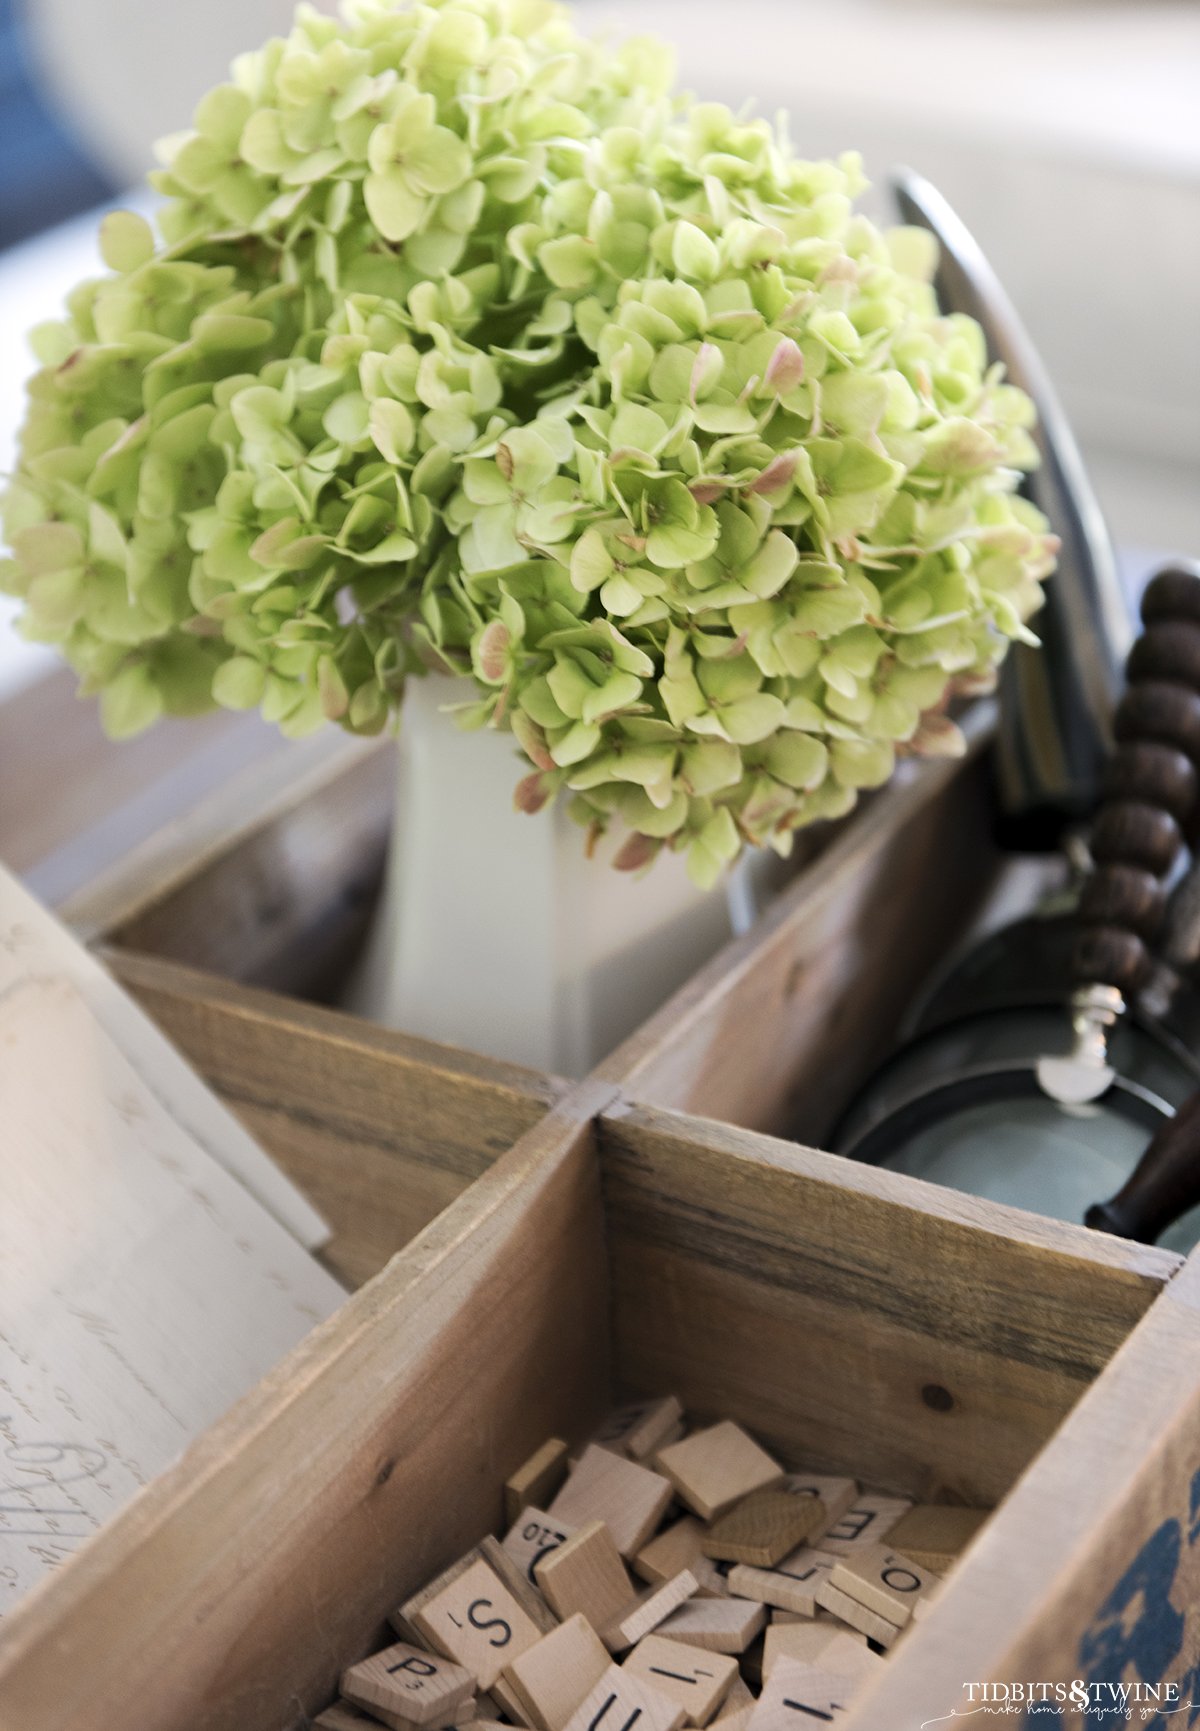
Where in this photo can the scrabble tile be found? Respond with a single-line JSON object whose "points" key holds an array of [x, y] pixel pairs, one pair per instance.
{"points": [[720, 1625], [791, 1584], [736, 1708], [883, 1580], [824, 1644], [463, 1714], [866, 1523], [651, 1607], [619, 1700], [537, 1480], [936, 1534], [586, 1574], [858, 1615], [837, 1494], [797, 1697], [762, 1529], [714, 1469], [630, 1499], [419, 1686], [551, 1679], [532, 1536], [481, 1613], [678, 1547], [342, 1717], [699, 1681], [641, 1428], [511, 1704]]}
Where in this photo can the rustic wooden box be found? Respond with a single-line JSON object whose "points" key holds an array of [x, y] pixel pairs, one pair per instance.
{"points": [[851, 1318], [637, 1232]]}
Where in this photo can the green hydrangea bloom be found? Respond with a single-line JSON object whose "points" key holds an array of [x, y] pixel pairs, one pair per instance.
{"points": [[470, 346]]}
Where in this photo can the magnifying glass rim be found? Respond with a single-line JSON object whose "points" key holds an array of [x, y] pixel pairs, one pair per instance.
{"points": [[981, 1085]]}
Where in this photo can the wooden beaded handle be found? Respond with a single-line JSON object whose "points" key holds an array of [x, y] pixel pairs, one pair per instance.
{"points": [[1163, 1185], [1149, 790], [1150, 806]]}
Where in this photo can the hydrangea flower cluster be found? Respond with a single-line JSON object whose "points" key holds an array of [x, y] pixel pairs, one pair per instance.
{"points": [[471, 347]]}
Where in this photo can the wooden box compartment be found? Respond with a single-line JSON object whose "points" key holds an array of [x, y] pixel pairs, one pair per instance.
{"points": [[853, 1319], [270, 883]]}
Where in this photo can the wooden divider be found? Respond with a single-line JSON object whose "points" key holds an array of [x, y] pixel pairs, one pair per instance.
{"points": [[924, 1341], [230, 1594], [380, 1130], [270, 880]]}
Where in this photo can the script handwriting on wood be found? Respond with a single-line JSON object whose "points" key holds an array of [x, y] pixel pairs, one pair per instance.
{"points": [[130, 1263], [479, 1613], [408, 1681], [537, 1480], [586, 1575], [698, 1681], [620, 1701], [630, 1499], [714, 1469], [552, 1678], [34, 946]]}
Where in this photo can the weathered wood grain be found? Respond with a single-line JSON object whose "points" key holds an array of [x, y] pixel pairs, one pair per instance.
{"points": [[269, 881], [852, 1318], [1092, 1568], [380, 1130]]}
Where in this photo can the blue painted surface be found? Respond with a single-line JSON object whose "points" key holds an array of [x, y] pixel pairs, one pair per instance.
{"points": [[45, 173]]}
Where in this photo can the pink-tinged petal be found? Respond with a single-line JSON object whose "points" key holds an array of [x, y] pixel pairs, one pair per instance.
{"points": [[938, 736], [530, 795], [706, 492], [636, 852], [493, 650], [778, 473], [705, 369], [785, 369]]}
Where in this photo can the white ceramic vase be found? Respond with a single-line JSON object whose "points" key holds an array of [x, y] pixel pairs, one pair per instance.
{"points": [[496, 933]]}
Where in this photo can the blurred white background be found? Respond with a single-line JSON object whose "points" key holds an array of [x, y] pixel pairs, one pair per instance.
{"points": [[1067, 135]]}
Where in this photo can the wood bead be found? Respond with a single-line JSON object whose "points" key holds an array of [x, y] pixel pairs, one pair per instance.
{"points": [[1112, 955], [1167, 651], [1158, 774], [1154, 709], [1128, 832], [1172, 594], [1123, 895]]}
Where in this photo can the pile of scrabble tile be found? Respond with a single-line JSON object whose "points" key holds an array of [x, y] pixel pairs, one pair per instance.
{"points": [[766, 1598]]}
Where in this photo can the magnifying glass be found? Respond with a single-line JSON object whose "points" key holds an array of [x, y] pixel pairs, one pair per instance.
{"points": [[1087, 1117]]}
